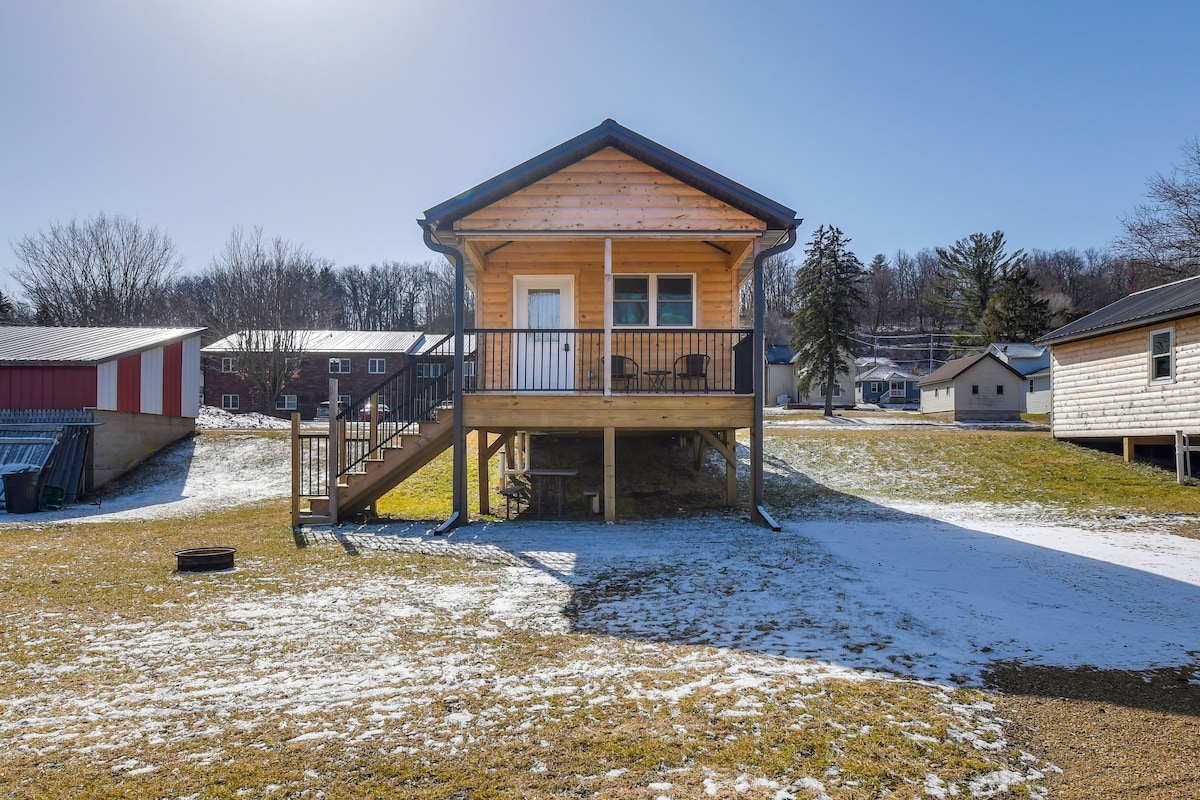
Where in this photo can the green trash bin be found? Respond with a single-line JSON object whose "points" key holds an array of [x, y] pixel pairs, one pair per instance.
{"points": [[20, 492]]}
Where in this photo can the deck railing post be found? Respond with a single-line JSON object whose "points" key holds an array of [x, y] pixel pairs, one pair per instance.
{"points": [[332, 450], [295, 469]]}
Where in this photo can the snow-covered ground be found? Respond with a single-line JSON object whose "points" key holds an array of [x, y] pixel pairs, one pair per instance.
{"points": [[938, 592], [935, 591]]}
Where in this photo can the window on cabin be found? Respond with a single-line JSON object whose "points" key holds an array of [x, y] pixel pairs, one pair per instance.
{"points": [[339, 365], [377, 366], [658, 301], [975, 388], [999, 388], [285, 402], [1162, 361], [226, 363], [230, 402]]}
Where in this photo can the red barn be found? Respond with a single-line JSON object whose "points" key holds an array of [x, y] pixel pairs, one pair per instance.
{"points": [[141, 385]]}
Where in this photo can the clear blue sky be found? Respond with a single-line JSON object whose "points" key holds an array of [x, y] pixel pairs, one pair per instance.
{"points": [[336, 124]]}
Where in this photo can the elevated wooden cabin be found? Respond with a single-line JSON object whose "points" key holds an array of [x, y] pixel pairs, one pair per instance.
{"points": [[606, 273], [1128, 374]]}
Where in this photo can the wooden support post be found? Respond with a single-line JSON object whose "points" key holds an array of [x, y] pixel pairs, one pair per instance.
{"points": [[481, 456], [333, 449], [1181, 457], [698, 456], [510, 455], [1129, 448], [610, 474], [295, 469], [731, 468]]}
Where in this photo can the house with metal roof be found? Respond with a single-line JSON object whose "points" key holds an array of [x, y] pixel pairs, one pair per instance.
{"points": [[978, 388], [887, 385], [1032, 361], [358, 360], [1128, 374], [606, 273], [134, 389]]}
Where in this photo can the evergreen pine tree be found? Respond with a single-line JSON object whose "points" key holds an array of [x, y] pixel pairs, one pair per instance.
{"points": [[1016, 311], [827, 297]]}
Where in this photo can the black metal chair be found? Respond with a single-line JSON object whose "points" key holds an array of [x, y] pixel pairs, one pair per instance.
{"points": [[692, 368], [625, 370], [516, 492]]}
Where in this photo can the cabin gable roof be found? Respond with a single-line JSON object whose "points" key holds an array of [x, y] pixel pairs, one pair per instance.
{"points": [[1164, 303], [605, 135]]}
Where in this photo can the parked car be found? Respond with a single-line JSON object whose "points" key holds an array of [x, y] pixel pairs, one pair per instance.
{"points": [[364, 413], [323, 409]]}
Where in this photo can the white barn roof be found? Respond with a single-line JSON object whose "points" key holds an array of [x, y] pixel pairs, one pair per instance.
{"points": [[30, 345]]}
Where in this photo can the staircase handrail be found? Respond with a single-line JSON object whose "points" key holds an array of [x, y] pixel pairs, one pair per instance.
{"points": [[421, 397]]}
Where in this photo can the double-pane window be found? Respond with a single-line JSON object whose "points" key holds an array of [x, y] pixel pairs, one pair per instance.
{"points": [[660, 301], [1161, 363]]}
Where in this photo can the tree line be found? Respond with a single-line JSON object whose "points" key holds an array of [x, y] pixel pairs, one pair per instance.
{"points": [[116, 271]]}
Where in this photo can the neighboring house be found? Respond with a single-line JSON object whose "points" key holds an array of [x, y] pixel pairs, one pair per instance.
{"points": [[606, 274], [887, 385], [981, 387], [1130, 372], [1037, 392], [781, 375], [1032, 361], [1024, 357], [134, 390], [843, 390], [359, 360]]}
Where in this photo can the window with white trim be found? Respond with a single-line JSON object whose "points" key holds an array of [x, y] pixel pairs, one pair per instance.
{"points": [[469, 369], [339, 365], [430, 369], [230, 402], [226, 363], [377, 366], [654, 301], [285, 402], [1162, 355]]}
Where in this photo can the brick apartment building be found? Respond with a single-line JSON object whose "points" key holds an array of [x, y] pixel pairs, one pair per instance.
{"points": [[360, 360]]}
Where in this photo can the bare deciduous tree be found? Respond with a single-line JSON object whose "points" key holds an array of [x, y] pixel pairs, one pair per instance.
{"points": [[1165, 233], [268, 295], [779, 280], [102, 271]]}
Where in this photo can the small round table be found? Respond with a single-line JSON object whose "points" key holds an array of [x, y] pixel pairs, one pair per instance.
{"points": [[658, 379]]}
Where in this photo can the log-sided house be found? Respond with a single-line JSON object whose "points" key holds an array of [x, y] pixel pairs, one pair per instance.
{"points": [[606, 274], [1129, 373]]}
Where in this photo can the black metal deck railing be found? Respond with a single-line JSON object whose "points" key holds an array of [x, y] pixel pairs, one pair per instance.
{"points": [[396, 406], [640, 361]]}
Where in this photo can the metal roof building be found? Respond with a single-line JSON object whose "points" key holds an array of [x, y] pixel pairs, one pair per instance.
{"points": [[82, 406], [139, 370]]}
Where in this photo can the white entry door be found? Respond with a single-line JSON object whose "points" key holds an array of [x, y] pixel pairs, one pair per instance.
{"points": [[544, 352]]}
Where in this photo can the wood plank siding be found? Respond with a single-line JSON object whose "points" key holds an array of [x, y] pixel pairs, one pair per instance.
{"points": [[1101, 387], [624, 413], [611, 191], [583, 260]]}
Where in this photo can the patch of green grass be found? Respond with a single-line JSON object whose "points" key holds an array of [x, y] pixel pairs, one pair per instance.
{"points": [[980, 466]]}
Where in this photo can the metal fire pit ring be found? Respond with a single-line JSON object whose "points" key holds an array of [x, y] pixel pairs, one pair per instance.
{"points": [[204, 559]]}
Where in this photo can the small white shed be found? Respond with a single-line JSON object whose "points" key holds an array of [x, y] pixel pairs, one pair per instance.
{"points": [[981, 387]]}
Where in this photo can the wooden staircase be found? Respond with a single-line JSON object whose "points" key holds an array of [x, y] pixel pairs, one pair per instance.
{"points": [[375, 443], [384, 471]]}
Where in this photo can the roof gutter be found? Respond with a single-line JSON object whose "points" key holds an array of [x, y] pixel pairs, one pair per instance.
{"points": [[458, 516], [758, 512]]}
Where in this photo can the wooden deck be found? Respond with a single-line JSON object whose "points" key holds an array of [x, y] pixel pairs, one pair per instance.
{"points": [[645, 412]]}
